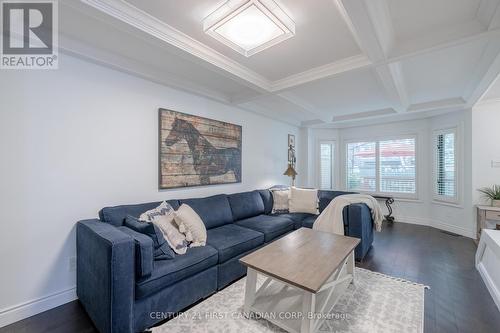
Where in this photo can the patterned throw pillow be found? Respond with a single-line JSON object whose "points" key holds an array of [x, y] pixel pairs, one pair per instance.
{"points": [[280, 200], [161, 249], [163, 209], [191, 225], [163, 217], [176, 239]]}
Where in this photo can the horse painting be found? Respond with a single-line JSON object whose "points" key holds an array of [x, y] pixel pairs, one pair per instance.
{"points": [[198, 151]]}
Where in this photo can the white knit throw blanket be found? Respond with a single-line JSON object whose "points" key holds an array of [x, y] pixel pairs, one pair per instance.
{"points": [[331, 219]]}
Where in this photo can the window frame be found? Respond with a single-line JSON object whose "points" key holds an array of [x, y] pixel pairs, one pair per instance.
{"points": [[318, 167], [439, 198], [376, 140]]}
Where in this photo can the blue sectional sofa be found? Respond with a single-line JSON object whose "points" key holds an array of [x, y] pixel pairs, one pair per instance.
{"points": [[122, 287]]}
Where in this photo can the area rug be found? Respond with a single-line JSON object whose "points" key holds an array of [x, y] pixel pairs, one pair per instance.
{"points": [[375, 303]]}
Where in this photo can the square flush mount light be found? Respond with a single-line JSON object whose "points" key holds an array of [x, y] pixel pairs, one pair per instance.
{"points": [[249, 26]]}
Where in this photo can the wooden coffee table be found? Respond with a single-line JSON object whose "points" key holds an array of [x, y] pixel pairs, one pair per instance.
{"points": [[307, 271]]}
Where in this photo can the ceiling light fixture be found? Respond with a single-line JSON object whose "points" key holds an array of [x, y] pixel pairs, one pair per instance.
{"points": [[249, 26]]}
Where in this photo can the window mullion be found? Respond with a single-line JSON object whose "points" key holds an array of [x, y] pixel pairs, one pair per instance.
{"points": [[377, 166]]}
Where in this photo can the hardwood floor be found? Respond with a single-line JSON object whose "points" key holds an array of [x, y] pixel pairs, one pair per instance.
{"points": [[457, 302]]}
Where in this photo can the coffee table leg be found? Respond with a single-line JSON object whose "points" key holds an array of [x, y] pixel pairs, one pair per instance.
{"points": [[250, 289], [308, 307], [351, 266]]}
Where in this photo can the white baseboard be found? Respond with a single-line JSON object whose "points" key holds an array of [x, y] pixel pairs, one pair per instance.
{"points": [[412, 220], [437, 224], [24, 310], [453, 228]]}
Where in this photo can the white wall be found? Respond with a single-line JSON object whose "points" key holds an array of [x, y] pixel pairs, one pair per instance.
{"points": [[422, 210], [84, 137], [486, 143]]}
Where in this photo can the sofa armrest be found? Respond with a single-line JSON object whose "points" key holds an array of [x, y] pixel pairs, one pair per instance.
{"points": [[143, 252], [360, 225], [105, 275]]}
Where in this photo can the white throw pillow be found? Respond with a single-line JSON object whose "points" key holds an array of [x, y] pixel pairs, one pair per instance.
{"points": [[280, 201], [191, 225], [303, 201], [163, 217]]}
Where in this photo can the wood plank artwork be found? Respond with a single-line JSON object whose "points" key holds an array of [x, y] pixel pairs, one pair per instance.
{"points": [[196, 151]]}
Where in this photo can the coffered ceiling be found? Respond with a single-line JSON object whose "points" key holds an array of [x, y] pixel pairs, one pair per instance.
{"points": [[349, 61]]}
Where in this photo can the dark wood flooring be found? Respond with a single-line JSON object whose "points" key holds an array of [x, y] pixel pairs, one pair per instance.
{"points": [[457, 302]]}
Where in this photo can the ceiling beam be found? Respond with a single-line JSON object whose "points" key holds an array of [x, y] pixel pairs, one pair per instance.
{"points": [[488, 13], [448, 103], [329, 70], [304, 105], [391, 77], [487, 71], [371, 24]]}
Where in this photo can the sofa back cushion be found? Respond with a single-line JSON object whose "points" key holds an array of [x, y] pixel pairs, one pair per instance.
{"points": [[116, 215], [214, 211], [267, 199], [326, 196], [246, 204]]}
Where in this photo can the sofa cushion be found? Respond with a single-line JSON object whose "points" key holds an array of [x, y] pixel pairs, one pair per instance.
{"points": [[271, 226], [214, 211], [309, 221], [297, 218], [267, 199], [116, 215], [167, 272], [245, 205], [231, 240], [326, 196]]}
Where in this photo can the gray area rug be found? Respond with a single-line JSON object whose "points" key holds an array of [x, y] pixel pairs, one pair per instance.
{"points": [[375, 303]]}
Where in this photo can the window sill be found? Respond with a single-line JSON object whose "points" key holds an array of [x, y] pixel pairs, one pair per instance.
{"points": [[411, 198], [446, 203]]}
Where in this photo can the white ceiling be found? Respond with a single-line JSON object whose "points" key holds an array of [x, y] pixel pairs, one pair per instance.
{"points": [[350, 60]]}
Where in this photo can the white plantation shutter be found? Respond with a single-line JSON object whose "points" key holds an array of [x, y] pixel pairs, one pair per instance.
{"points": [[385, 167], [326, 152], [445, 165], [397, 166], [361, 166]]}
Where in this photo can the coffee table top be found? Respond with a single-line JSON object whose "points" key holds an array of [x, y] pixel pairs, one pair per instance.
{"points": [[304, 258]]}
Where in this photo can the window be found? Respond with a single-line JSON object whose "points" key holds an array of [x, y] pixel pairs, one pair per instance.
{"points": [[361, 166], [326, 175], [397, 166], [386, 166], [445, 166]]}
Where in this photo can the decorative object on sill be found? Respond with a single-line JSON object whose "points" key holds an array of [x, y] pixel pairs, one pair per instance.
{"points": [[497, 226], [492, 194], [388, 202], [197, 151], [290, 171]]}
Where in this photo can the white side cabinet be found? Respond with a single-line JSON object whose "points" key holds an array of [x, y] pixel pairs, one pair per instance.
{"points": [[488, 262]]}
